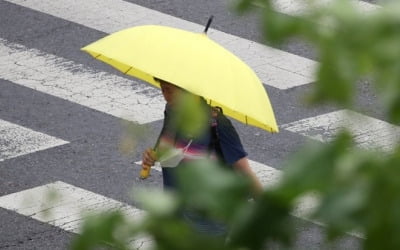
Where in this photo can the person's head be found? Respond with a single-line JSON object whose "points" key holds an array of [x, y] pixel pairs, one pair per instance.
{"points": [[190, 113], [170, 91]]}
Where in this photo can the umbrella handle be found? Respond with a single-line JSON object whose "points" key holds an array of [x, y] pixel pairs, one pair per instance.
{"points": [[145, 171], [208, 24]]}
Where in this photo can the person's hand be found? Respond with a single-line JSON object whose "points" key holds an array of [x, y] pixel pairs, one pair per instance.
{"points": [[149, 157]]}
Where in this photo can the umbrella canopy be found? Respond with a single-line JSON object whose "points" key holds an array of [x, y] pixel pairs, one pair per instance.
{"points": [[193, 62]]}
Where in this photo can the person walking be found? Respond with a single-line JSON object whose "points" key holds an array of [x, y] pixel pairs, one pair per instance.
{"points": [[218, 140]]}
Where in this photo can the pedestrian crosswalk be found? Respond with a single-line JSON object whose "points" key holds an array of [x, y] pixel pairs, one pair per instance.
{"points": [[274, 67], [129, 99]]}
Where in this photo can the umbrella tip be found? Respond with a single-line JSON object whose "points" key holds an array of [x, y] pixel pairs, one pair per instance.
{"points": [[208, 24]]}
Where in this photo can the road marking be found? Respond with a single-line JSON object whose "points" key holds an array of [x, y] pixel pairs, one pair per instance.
{"points": [[270, 178], [295, 7], [66, 206], [368, 132], [274, 67], [74, 82], [16, 140]]}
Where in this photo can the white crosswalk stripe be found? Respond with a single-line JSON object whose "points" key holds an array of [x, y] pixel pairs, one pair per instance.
{"points": [[16, 141], [128, 99], [269, 176], [66, 206], [294, 7], [368, 132], [59, 77]]}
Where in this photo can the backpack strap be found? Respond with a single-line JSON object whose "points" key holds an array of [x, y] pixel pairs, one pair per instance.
{"points": [[215, 145]]}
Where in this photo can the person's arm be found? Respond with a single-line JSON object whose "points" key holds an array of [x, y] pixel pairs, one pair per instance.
{"points": [[149, 156], [234, 153], [242, 165]]}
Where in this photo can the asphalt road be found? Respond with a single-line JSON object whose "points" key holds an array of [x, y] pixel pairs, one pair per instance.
{"points": [[91, 159]]}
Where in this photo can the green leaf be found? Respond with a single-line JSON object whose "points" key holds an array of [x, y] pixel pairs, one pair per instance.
{"points": [[211, 189], [190, 116], [158, 203], [265, 221], [99, 230]]}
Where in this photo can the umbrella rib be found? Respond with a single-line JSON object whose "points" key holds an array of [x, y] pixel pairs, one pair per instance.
{"points": [[127, 70]]}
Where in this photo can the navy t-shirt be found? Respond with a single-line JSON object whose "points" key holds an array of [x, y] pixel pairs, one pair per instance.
{"points": [[230, 146], [229, 141]]}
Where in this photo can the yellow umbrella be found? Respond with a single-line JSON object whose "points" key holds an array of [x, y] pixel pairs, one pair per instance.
{"points": [[191, 61]]}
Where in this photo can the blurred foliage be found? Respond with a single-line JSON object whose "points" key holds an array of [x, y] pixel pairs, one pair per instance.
{"points": [[100, 230], [358, 190], [190, 115], [131, 134], [351, 43]]}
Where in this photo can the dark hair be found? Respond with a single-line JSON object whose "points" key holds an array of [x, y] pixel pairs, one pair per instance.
{"points": [[166, 82], [162, 81]]}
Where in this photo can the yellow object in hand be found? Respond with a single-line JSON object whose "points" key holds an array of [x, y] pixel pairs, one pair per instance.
{"points": [[145, 171]]}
